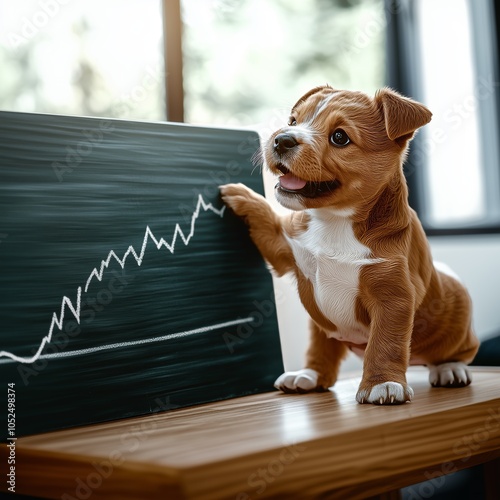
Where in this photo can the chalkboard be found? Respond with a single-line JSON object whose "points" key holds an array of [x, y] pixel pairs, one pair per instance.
{"points": [[127, 287]]}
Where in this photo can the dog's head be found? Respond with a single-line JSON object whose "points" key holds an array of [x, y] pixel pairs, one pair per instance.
{"points": [[340, 148]]}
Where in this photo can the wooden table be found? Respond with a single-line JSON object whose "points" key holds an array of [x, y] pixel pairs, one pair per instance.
{"points": [[272, 445]]}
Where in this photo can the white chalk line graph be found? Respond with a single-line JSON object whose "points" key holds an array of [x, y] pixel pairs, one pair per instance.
{"points": [[132, 343], [67, 304]]}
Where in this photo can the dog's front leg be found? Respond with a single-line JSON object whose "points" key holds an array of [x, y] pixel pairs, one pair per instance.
{"points": [[265, 226], [323, 359], [389, 298]]}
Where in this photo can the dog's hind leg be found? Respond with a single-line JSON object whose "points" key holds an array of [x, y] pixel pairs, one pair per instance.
{"points": [[452, 374]]}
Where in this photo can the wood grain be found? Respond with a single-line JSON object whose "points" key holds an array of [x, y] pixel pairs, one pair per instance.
{"points": [[272, 446]]}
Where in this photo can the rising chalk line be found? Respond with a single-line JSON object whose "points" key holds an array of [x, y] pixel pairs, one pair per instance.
{"points": [[67, 304]]}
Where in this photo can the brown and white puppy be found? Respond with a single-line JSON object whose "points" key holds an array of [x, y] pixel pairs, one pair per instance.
{"points": [[360, 257]]}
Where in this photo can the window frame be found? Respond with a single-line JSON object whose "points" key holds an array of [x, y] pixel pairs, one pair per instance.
{"points": [[404, 75], [172, 51]]}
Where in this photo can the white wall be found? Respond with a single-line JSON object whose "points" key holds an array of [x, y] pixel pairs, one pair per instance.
{"points": [[476, 259]]}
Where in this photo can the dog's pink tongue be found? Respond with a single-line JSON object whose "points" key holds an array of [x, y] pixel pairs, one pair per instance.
{"points": [[289, 181]]}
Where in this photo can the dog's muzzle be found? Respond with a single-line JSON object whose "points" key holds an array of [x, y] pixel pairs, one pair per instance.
{"points": [[289, 184]]}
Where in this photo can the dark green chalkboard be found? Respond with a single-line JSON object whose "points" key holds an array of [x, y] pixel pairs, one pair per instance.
{"points": [[126, 286]]}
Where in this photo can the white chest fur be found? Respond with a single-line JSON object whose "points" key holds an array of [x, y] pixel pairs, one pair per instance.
{"points": [[330, 257]]}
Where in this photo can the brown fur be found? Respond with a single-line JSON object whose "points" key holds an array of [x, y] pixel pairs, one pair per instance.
{"points": [[411, 309]]}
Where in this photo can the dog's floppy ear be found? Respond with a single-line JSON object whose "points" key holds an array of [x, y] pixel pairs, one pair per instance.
{"points": [[402, 115]]}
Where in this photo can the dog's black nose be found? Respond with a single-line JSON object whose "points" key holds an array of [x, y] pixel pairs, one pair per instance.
{"points": [[283, 143]]}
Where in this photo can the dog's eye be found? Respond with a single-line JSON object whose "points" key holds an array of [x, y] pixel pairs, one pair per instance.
{"points": [[292, 122], [340, 138]]}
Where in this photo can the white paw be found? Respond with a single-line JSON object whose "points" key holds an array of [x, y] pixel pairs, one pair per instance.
{"points": [[453, 374], [384, 394], [304, 380]]}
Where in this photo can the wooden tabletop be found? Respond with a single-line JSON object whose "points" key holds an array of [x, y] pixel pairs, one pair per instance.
{"points": [[271, 445]]}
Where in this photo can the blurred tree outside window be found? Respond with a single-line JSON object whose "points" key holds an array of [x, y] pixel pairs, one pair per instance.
{"points": [[93, 58], [244, 60]]}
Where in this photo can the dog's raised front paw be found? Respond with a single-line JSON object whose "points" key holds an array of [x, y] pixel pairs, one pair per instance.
{"points": [[453, 374], [305, 380], [387, 393], [239, 198]]}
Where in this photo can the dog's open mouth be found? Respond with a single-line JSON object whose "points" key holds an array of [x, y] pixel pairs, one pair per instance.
{"points": [[289, 183]]}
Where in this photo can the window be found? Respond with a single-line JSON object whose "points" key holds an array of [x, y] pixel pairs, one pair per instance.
{"points": [[246, 62], [243, 62], [449, 61], [86, 58]]}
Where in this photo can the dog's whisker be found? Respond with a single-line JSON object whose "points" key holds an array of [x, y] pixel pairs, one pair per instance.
{"points": [[256, 166]]}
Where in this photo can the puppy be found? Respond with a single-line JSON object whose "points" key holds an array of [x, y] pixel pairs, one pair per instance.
{"points": [[360, 257]]}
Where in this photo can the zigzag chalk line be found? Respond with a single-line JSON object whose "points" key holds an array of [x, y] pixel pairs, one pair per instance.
{"points": [[66, 303]]}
